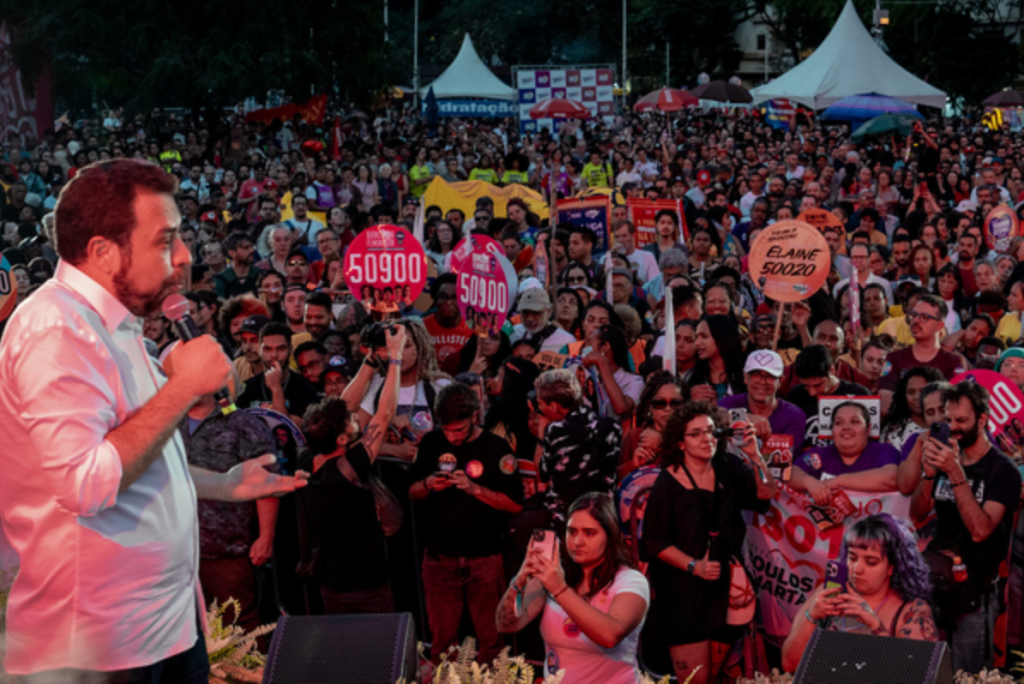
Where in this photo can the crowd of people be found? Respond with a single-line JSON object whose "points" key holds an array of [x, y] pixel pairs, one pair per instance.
{"points": [[419, 433]]}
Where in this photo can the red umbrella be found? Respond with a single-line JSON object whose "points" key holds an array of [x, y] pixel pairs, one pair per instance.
{"points": [[667, 100], [559, 108]]}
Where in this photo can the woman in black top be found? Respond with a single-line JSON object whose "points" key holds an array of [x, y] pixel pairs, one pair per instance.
{"points": [[693, 527], [341, 525]]}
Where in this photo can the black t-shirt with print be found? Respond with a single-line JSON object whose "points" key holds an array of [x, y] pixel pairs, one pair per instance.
{"points": [[993, 478], [455, 523]]}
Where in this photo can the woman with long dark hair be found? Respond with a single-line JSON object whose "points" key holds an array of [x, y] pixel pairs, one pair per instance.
{"points": [[693, 528], [592, 604], [719, 369], [484, 355], [270, 286], [906, 416], [441, 243], [663, 394], [509, 416], [569, 311], [888, 592], [950, 286]]}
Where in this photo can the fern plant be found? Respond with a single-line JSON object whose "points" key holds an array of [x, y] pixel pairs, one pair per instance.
{"points": [[232, 652]]}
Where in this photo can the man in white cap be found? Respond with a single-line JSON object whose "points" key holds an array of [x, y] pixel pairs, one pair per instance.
{"points": [[535, 311], [768, 414]]}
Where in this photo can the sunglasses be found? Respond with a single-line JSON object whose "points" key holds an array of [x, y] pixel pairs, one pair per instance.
{"points": [[577, 280], [662, 404], [297, 262]]}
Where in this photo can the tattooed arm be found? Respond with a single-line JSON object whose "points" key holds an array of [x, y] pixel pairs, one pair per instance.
{"points": [[917, 622], [377, 428], [534, 597]]}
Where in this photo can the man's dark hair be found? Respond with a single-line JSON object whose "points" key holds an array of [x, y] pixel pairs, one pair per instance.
{"points": [[873, 286], [813, 361], [683, 294], [309, 345], [901, 237], [586, 233], [324, 422], [992, 342], [975, 393], [883, 342], [275, 328], [936, 301], [860, 235], [455, 402], [443, 279], [456, 210], [667, 212], [232, 241], [871, 214], [199, 272], [268, 199], [319, 299], [985, 318], [510, 234], [99, 202]]}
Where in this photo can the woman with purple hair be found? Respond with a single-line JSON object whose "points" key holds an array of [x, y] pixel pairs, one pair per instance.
{"points": [[888, 592]]}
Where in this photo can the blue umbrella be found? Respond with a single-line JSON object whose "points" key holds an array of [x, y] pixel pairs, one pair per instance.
{"points": [[860, 108], [431, 113]]}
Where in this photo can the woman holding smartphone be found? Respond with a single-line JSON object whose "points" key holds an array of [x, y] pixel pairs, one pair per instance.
{"points": [[592, 604], [887, 592]]}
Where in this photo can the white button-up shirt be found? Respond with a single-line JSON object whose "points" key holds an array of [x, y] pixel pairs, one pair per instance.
{"points": [[107, 581]]}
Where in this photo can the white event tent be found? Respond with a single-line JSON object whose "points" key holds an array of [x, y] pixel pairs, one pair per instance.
{"points": [[848, 62], [468, 76]]}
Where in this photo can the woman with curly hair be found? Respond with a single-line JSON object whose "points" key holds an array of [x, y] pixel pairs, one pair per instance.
{"points": [[421, 380], [887, 594], [693, 527]]}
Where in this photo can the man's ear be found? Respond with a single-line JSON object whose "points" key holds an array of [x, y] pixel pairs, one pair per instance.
{"points": [[104, 254]]}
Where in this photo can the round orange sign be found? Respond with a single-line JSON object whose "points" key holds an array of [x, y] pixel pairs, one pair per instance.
{"points": [[789, 261]]}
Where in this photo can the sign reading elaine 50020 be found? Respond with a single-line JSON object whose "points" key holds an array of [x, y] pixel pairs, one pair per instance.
{"points": [[789, 261]]}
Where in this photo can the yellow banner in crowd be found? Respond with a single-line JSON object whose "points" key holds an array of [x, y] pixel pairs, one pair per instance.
{"points": [[465, 194]]}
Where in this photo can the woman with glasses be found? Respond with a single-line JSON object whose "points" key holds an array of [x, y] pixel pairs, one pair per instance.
{"points": [[693, 528], [663, 394], [270, 286], [576, 275], [441, 243]]}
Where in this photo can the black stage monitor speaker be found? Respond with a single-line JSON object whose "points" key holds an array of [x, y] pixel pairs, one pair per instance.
{"points": [[349, 649], [841, 658]]}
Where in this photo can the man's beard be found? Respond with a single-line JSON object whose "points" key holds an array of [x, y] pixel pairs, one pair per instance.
{"points": [[140, 303], [968, 438]]}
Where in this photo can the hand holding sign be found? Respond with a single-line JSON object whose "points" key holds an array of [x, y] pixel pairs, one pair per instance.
{"points": [[486, 284]]}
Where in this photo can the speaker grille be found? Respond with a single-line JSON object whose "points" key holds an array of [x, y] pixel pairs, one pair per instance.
{"points": [[841, 658], [355, 649]]}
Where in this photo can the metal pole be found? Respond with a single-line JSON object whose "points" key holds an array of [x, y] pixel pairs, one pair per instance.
{"points": [[668, 77], [625, 72], [767, 37], [416, 53]]}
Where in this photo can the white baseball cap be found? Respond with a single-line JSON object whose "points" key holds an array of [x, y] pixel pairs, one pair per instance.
{"points": [[765, 360]]}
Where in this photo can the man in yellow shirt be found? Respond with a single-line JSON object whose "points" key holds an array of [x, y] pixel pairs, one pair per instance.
{"points": [[597, 173]]}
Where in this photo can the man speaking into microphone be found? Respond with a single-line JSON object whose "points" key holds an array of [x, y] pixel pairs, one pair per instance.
{"points": [[96, 495]]}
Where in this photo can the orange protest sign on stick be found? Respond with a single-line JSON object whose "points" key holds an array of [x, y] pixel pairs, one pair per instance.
{"points": [[824, 221], [789, 261]]}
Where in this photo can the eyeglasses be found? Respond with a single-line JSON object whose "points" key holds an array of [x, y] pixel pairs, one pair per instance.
{"points": [[928, 317], [700, 434], [577, 280], [297, 262], [662, 404]]}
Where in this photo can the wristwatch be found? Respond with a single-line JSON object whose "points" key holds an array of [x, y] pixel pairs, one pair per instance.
{"points": [[690, 568]]}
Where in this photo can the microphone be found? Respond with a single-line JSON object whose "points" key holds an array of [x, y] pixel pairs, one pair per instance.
{"points": [[175, 309]]}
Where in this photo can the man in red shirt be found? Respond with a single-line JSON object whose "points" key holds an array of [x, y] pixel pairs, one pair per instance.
{"points": [[251, 191], [447, 330]]}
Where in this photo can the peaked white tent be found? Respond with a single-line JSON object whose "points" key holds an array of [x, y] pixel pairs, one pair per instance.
{"points": [[468, 76], [848, 62]]}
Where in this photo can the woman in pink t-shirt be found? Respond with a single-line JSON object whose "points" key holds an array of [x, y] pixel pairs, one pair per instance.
{"points": [[591, 611]]}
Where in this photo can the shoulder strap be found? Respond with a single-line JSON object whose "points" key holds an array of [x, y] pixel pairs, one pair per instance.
{"points": [[896, 618]]}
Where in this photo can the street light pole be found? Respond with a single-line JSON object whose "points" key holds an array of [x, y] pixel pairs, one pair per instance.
{"points": [[416, 53], [625, 72]]}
